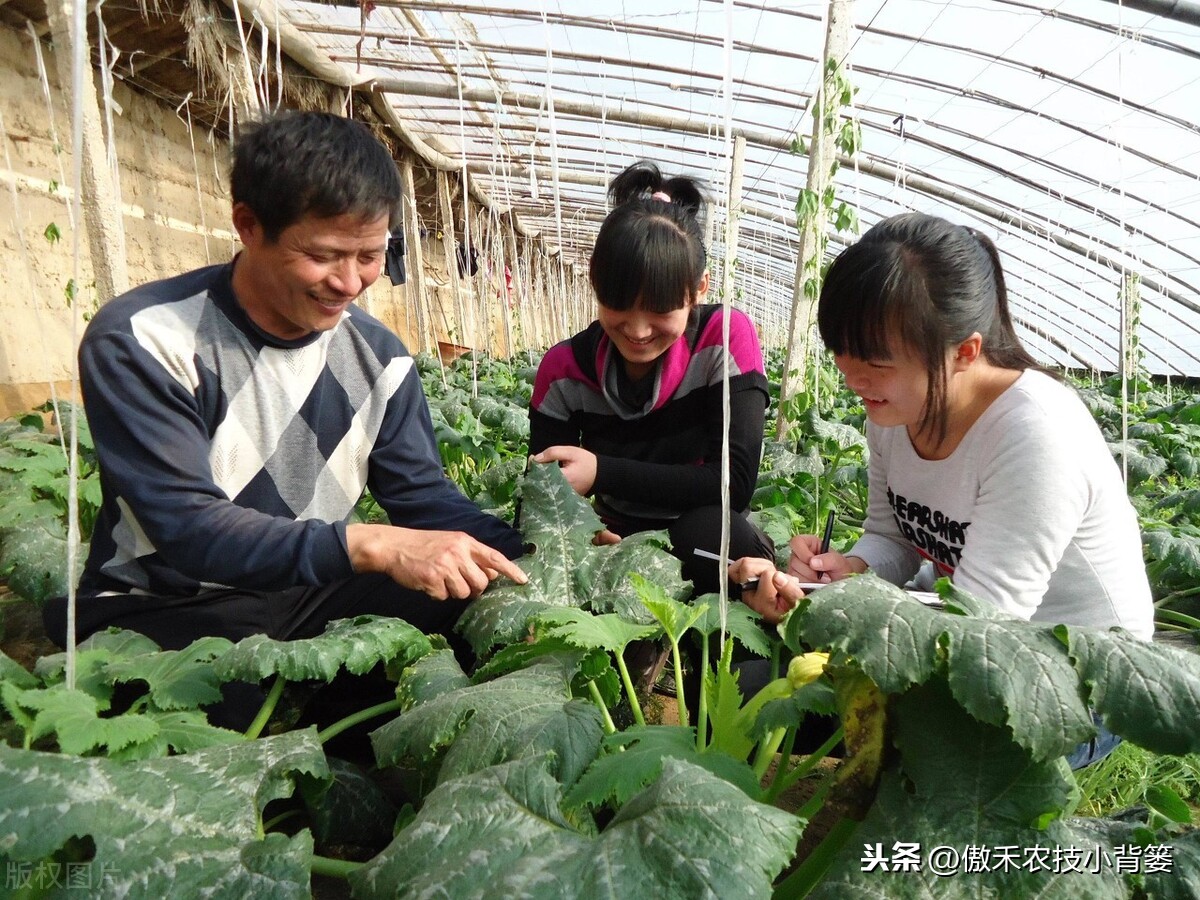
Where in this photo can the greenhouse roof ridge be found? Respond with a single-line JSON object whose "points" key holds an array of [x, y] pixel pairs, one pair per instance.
{"points": [[1069, 130]]}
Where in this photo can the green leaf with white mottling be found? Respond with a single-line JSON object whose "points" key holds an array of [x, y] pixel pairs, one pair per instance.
{"points": [[566, 569], [186, 826], [1002, 670], [523, 714], [177, 679], [33, 560], [1146, 692], [1141, 459], [348, 808], [780, 461], [430, 677], [356, 644], [605, 583], [967, 785], [502, 833], [1181, 553], [842, 437]]}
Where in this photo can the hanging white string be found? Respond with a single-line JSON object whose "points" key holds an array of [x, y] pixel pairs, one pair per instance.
{"points": [[250, 100], [553, 127], [1123, 293], [45, 82], [77, 28], [733, 183], [18, 220], [469, 299], [187, 105], [110, 141]]}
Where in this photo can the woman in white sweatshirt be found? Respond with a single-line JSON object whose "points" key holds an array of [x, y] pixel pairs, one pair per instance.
{"points": [[981, 462]]}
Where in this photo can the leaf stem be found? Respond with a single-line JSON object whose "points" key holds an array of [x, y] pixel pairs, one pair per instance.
{"points": [[789, 744], [333, 868], [282, 817], [634, 704], [679, 699], [766, 752], [1176, 595], [362, 715], [805, 766], [268, 707], [1178, 618], [702, 705], [609, 727], [810, 872]]}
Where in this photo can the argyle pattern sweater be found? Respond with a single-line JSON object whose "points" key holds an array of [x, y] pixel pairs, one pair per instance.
{"points": [[231, 458]]}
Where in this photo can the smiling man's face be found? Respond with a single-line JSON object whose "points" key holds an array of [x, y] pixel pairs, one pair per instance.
{"points": [[304, 280]]}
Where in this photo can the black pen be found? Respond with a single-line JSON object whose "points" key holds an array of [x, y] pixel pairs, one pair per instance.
{"points": [[827, 537]]}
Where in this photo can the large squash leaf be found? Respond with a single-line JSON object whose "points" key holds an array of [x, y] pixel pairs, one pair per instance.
{"points": [[177, 679], [33, 560], [780, 461], [973, 815], [526, 713], [92, 659], [1148, 693], [1178, 555], [1008, 672], [566, 569], [502, 833], [836, 434], [1002, 670], [181, 827], [358, 644]]}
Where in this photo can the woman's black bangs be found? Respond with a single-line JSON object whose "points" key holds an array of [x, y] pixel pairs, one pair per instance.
{"points": [[854, 315], [624, 277]]}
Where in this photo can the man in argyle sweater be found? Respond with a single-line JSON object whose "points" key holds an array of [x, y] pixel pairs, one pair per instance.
{"points": [[239, 410]]}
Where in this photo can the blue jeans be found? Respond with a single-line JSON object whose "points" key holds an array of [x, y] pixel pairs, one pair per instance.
{"points": [[1104, 743]]}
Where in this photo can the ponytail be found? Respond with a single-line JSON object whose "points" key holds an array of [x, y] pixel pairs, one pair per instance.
{"points": [[650, 249]]}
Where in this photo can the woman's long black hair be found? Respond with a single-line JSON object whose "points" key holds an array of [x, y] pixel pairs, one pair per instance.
{"points": [[919, 282]]}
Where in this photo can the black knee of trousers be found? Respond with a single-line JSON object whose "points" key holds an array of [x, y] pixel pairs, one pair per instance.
{"points": [[700, 528]]}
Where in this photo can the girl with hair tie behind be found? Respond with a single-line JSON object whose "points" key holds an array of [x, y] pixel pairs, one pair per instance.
{"points": [[631, 407]]}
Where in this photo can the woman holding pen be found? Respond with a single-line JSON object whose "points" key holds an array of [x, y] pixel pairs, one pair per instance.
{"points": [[981, 463]]}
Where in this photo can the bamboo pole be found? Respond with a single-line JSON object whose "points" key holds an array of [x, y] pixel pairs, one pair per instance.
{"points": [[821, 157], [446, 217], [101, 212], [419, 294]]}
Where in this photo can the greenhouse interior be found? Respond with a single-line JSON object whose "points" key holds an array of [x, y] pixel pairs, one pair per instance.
{"points": [[727, 449]]}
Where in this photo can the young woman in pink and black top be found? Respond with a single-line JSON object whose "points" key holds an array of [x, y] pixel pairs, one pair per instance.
{"points": [[631, 407]]}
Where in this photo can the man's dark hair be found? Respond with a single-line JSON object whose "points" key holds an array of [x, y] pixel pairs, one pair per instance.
{"points": [[291, 164]]}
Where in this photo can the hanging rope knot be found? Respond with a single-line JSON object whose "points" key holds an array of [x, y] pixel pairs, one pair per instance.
{"points": [[661, 195]]}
